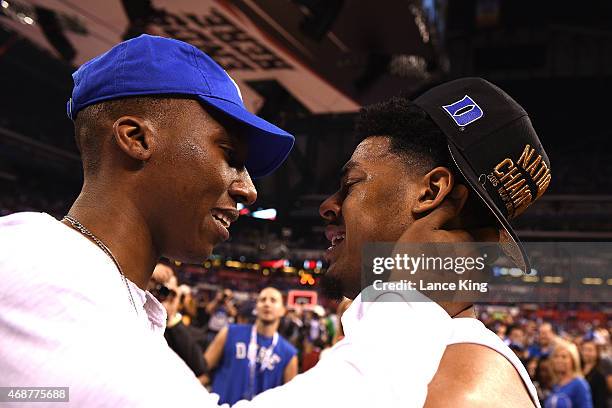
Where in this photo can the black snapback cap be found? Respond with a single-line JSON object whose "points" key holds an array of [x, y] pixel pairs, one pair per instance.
{"points": [[495, 147]]}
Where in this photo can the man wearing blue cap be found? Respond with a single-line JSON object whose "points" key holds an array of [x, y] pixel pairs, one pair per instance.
{"points": [[168, 151]]}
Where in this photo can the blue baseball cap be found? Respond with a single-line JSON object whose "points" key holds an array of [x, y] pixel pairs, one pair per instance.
{"points": [[151, 65]]}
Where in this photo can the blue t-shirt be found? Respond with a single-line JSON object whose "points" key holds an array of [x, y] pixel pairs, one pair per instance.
{"points": [[536, 351], [574, 394], [232, 378]]}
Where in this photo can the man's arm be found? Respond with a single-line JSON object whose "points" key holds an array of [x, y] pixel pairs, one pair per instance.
{"points": [[214, 352], [231, 309], [291, 370], [475, 376], [210, 306]]}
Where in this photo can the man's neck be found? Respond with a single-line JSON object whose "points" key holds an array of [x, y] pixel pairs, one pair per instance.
{"points": [[469, 312], [122, 228], [266, 329], [458, 309]]}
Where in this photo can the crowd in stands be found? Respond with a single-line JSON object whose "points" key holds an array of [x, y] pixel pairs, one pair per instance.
{"points": [[570, 364], [568, 359]]}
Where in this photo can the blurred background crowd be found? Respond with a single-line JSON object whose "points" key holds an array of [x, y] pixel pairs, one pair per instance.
{"points": [[559, 349]]}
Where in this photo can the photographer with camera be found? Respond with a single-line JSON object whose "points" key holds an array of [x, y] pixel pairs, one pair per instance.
{"points": [[221, 312], [164, 286]]}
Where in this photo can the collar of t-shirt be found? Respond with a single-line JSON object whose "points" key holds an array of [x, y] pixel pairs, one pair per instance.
{"points": [[145, 302], [369, 297], [154, 310]]}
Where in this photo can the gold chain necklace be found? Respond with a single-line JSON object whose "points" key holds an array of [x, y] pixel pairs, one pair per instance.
{"points": [[81, 228]]}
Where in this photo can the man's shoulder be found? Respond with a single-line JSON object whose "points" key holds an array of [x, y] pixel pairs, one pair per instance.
{"points": [[14, 225], [579, 383], [290, 348], [24, 217], [43, 262], [33, 233], [28, 239], [473, 375], [37, 240], [238, 331]]}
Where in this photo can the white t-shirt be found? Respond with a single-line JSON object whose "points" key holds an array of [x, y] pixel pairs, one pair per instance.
{"points": [[66, 320]]}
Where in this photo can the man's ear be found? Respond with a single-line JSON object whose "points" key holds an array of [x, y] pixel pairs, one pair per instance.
{"points": [[134, 136], [432, 189]]}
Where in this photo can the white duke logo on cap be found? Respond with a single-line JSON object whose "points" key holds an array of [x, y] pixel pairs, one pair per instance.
{"points": [[464, 111]]}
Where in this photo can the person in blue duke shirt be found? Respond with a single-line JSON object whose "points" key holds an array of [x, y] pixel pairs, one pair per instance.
{"points": [[570, 389], [250, 359]]}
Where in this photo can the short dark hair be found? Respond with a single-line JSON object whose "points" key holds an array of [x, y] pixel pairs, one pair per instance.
{"points": [[91, 122], [412, 133], [513, 328], [416, 138]]}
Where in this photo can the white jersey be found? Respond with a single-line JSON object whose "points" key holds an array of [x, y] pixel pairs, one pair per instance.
{"points": [[468, 330]]}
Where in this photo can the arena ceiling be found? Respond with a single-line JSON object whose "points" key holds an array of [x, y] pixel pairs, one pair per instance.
{"points": [[330, 55], [307, 65]]}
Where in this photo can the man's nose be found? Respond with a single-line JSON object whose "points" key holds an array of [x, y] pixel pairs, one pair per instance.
{"points": [[243, 190], [330, 208]]}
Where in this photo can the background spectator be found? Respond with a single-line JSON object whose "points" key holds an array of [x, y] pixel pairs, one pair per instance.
{"points": [[542, 377], [164, 287], [545, 342], [570, 389], [221, 312], [250, 359], [592, 373]]}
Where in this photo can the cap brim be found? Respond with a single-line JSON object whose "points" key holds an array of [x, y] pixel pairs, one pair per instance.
{"points": [[269, 145], [509, 241]]}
